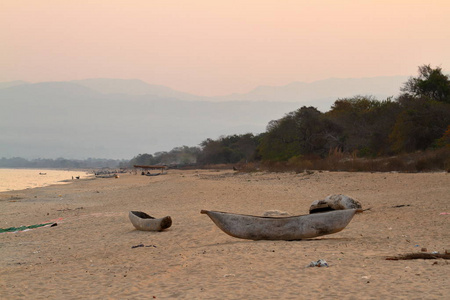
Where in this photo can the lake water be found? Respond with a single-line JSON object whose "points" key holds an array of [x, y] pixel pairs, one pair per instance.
{"points": [[20, 179]]}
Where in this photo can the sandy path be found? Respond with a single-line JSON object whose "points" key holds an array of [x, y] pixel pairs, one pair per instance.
{"points": [[89, 255]]}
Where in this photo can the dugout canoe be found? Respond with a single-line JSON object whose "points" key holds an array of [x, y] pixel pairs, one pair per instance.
{"points": [[143, 221], [281, 228]]}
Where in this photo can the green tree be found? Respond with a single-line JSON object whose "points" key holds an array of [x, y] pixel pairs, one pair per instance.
{"points": [[431, 83], [298, 133], [228, 149], [362, 124], [420, 123], [143, 159], [279, 142], [444, 141]]}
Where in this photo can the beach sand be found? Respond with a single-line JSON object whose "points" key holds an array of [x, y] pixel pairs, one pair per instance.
{"points": [[89, 254]]}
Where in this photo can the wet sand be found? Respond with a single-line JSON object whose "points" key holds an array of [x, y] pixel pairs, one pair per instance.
{"points": [[90, 254]]}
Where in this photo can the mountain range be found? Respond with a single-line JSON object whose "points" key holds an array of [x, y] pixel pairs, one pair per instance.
{"points": [[120, 118]]}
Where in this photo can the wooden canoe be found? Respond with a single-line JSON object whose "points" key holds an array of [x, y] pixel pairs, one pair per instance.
{"points": [[143, 221], [281, 228]]}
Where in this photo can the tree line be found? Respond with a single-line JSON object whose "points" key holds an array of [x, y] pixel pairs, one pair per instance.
{"points": [[361, 126]]}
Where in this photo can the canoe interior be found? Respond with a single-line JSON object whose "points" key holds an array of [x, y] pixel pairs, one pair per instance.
{"points": [[142, 215]]}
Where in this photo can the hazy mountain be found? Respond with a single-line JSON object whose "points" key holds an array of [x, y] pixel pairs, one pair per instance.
{"points": [[116, 118], [134, 87], [320, 94], [8, 84], [324, 91], [63, 119]]}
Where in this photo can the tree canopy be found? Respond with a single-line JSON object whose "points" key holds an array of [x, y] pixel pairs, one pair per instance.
{"points": [[431, 83], [361, 125]]}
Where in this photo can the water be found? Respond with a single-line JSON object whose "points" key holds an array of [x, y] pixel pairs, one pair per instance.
{"points": [[20, 179]]}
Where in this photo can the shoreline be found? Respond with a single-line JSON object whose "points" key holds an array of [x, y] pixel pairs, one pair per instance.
{"points": [[25, 178], [90, 253]]}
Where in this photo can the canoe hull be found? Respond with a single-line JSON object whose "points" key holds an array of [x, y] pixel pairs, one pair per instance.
{"points": [[284, 228], [142, 221]]}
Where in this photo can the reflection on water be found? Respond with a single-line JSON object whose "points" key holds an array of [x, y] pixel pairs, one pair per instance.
{"points": [[20, 179]]}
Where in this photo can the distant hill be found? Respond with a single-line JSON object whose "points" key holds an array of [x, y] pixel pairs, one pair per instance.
{"points": [[333, 88], [8, 84], [134, 87], [324, 91], [320, 94], [63, 119], [117, 118]]}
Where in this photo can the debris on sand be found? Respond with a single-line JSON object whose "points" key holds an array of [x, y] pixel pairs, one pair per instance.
{"points": [[420, 255], [319, 263]]}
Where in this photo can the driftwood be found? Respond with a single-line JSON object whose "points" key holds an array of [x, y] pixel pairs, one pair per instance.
{"points": [[281, 228], [143, 221], [419, 255]]}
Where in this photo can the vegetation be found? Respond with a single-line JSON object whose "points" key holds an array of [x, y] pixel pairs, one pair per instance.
{"points": [[409, 133], [228, 150], [177, 156], [430, 84]]}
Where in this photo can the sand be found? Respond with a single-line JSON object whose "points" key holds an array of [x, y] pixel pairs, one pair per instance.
{"points": [[90, 254]]}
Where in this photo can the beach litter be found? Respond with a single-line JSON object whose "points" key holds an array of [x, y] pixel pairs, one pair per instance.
{"points": [[27, 228], [142, 245], [401, 205], [319, 263], [420, 255]]}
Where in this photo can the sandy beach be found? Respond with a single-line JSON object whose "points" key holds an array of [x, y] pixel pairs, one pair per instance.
{"points": [[90, 254]]}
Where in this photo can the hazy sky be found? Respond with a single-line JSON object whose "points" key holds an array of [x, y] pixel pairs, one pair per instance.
{"points": [[216, 47]]}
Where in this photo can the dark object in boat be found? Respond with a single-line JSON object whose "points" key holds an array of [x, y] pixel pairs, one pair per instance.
{"points": [[334, 202]]}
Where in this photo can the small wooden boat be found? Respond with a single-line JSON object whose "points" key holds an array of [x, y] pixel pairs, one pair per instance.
{"points": [[143, 221], [149, 174], [281, 228]]}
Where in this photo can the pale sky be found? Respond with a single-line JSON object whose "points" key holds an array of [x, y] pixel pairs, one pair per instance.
{"points": [[217, 47]]}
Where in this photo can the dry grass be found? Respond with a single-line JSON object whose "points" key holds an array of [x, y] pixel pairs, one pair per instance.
{"points": [[423, 161]]}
